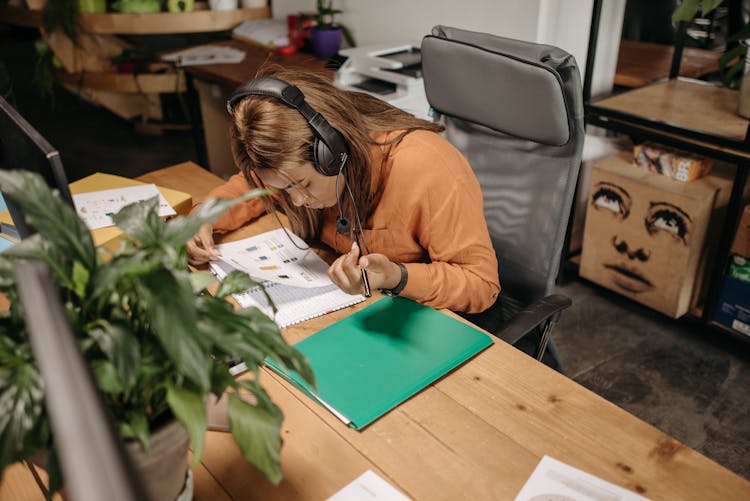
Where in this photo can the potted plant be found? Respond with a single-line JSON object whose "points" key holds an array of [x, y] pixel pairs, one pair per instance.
{"points": [[156, 343], [326, 34]]}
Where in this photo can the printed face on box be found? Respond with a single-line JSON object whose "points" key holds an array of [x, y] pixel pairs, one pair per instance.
{"points": [[642, 237]]}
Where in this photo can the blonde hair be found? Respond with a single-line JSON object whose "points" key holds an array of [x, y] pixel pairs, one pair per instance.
{"points": [[268, 134]]}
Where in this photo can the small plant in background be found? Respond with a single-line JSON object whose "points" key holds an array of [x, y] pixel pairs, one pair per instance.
{"points": [[45, 64], [732, 61], [156, 342]]}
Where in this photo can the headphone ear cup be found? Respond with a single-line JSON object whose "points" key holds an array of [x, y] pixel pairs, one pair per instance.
{"points": [[323, 158]]}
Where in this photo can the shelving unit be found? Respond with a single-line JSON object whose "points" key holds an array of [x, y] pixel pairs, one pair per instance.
{"points": [[695, 116], [88, 68], [692, 115]]}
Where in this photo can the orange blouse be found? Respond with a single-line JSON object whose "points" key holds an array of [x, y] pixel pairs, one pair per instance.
{"points": [[429, 217]]}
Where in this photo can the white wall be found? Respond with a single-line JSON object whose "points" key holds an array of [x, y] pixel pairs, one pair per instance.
{"points": [[564, 23]]}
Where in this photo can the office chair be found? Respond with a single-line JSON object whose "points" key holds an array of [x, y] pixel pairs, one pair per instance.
{"points": [[515, 110]]}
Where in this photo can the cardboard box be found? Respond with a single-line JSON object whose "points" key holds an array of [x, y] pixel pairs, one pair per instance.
{"points": [[733, 306], [649, 237], [672, 163], [741, 242], [110, 237]]}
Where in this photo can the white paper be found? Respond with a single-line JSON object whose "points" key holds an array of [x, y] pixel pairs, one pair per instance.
{"points": [[368, 487], [273, 257], [553, 480], [263, 31], [294, 304], [96, 208], [205, 54]]}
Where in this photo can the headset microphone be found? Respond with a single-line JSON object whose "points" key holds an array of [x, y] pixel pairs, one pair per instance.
{"points": [[343, 226]]}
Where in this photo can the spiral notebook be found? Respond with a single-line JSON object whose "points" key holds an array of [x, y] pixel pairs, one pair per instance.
{"points": [[295, 279]]}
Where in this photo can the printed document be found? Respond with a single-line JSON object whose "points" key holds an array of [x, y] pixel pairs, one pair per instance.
{"points": [[96, 208], [553, 479], [295, 279]]}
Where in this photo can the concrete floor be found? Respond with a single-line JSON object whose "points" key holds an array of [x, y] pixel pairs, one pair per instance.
{"points": [[688, 381]]}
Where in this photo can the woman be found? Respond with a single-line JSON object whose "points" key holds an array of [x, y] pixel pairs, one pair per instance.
{"points": [[418, 201]]}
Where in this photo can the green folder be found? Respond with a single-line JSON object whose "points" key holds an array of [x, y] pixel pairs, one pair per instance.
{"points": [[371, 361]]}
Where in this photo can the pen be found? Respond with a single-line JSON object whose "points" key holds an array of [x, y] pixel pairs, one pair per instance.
{"points": [[365, 280], [366, 283]]}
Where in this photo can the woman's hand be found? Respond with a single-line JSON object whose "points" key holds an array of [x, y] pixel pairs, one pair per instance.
{"points": [[200, 248], [346, 271]]}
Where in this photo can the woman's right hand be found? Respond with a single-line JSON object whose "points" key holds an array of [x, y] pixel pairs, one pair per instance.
{"points": [[200, 248]]}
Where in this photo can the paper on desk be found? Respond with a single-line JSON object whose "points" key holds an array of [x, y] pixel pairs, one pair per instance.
{"points": [[368, 487], [267, 32], [205, 54], [97, 207], [555, 480], [272, 257]]}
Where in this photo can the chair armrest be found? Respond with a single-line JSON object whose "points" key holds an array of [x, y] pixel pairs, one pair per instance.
{"points": [[532, 316]]}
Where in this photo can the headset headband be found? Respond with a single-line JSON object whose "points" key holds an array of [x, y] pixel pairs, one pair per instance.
{"points": [[329, 148]]}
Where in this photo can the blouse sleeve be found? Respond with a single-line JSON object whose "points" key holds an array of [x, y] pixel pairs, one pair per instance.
{"points": [[447, 219], [241, 213]]}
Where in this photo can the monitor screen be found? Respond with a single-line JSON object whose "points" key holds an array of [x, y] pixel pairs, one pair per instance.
{"points": [[23, 148]]}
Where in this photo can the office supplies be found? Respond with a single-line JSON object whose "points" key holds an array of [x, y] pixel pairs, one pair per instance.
{"points": [[270, 33], [553, 479], [368, 487], [295, 279], [205, 54], [373, 360], [96, 208], [390, 72]]}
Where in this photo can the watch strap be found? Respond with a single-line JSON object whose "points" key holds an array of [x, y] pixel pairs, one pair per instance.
{"points": [[400, 285]]}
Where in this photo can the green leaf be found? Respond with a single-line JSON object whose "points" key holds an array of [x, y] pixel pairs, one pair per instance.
{"points": [[181, 228], [121, 347], [170, 307], [686, 11], [136, 427], [53, 218], [200, 281], [257, 432], [21, 404], [141, 221], [188, 407], [120, 269], [235, 282], [106, 376], [80, 279]]}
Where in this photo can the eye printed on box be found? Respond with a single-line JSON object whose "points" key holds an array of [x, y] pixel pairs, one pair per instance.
{"points": [[642, 235]]}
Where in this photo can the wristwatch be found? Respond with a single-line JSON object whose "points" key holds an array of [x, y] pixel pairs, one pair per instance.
{"points": [[400, 285]]}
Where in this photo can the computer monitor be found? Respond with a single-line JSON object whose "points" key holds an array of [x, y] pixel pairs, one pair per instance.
{"points": [[23, 148]]}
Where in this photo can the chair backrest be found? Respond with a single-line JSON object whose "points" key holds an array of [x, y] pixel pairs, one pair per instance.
{"points": [[515, 110]]}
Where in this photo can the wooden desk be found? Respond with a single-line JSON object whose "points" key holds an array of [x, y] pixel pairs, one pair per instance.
{"points": [[478, 433], [640, 63]]}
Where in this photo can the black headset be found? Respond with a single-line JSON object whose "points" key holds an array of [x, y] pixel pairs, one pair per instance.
{"points": [[329, 149]]}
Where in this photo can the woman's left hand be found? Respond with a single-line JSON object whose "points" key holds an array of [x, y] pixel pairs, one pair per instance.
{"points": [[346, 271]]}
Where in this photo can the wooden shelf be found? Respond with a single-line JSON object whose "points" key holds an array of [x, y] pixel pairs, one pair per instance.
{"points": [[199, 21], [124, 82], [20, 16]]}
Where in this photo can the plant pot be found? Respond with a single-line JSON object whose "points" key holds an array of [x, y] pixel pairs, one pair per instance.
{"points": [[164, 470], [326, 42]]}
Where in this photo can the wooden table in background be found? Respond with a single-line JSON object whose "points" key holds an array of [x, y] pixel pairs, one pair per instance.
{"points": [[478, 433], [640, 63]]}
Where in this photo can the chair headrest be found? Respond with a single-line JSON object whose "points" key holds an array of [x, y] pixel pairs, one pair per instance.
{"points": [[507, 85]]}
